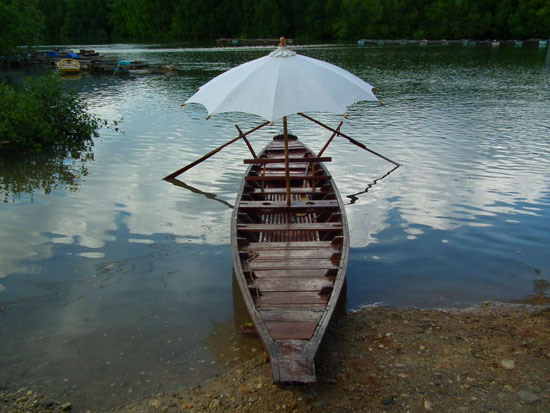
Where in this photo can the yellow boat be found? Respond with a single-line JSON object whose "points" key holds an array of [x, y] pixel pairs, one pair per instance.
{"points": [[68, 66]]}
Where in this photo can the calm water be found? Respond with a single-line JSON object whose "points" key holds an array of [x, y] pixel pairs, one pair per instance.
{"points": [[115, 284]]}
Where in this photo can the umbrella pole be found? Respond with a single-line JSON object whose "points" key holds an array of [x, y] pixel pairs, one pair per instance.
{"points": [[287, 169]]}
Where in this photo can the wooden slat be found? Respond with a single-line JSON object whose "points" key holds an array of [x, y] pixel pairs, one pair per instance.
{"points": [[278, 177], [315, 226], [299, 191], [292, 284], [295, 307], [292, 264], [278, 147], [320, 272], [294, 168], [270, 254], [296, 206], [291, 330], [258, 246], [283, 314], [273, 298], [282, 160]]}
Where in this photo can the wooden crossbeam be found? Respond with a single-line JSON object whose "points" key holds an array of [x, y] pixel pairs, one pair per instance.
{"points": [[315, 226], [291, 160], [296, 206], [292, 177], [299, 191]]}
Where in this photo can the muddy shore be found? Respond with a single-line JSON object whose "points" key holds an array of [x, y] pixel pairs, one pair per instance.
{"points": [[492, 358]]}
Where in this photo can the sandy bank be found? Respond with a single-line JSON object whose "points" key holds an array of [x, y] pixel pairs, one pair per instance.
{"points": [[494, 358]]}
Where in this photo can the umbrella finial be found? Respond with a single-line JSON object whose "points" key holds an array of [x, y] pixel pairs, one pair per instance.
{"points": [[282, 42]]}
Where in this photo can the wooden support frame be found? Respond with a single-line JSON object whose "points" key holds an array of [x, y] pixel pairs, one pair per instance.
{"points": [[211, 153], [330, 139], [357, 143], [250, 148]]}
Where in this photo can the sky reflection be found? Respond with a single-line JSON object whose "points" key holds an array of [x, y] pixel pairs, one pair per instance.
{"points": [[127, 276]]}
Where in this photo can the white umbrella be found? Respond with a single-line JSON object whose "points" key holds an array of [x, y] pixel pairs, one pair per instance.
{"points": [[281, 84], [278, 85]]}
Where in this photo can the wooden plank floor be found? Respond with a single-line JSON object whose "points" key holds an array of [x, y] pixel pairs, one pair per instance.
{"points": [[292, 268], [289, 262]]}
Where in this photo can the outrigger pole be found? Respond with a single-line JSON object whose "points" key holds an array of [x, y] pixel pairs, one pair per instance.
{"points": [[337, 132], [209, 154]]}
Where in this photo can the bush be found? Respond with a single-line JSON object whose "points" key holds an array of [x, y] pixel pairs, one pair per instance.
{"points": [[42, 115]]}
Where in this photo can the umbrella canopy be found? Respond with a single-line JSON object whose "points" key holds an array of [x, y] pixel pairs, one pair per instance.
{"points": [[281, 84]]}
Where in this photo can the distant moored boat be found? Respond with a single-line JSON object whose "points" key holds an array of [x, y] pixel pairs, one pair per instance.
{"points": [[68, 66]]}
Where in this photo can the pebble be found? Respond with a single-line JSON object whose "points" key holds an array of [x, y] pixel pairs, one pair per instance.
{"points": [[154, 403], [428, 405], [388, 401], [508, 364], [214, 404], [528, 397]]}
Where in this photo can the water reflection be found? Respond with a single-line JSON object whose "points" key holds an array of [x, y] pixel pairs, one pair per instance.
{"points": [[119, 261], [134, 324], [21, 178]]}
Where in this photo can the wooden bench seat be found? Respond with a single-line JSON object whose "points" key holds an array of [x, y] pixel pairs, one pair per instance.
{"points": [[319, 272], [290, 160], [270, 298], [291, 330], [293, 264], [314, 226], [312, 253], [279, 177], [293, 191], [293, 284], [295, 206]]}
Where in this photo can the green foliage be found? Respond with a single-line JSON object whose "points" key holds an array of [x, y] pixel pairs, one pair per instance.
{"points": [[42, 115], [178, 20], [22, 23]]}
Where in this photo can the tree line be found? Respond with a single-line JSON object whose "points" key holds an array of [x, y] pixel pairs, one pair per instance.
{"points": [[100, 21]]}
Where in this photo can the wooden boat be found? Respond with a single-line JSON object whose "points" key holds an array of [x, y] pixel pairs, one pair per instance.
{"points": [[88, 53], [289, 260], [68, 66]]}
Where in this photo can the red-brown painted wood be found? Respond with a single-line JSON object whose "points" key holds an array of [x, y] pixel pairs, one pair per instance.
{"points": [[289, 260]]}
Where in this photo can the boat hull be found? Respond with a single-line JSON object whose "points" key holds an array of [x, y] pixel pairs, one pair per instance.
{"points": [[289, 261]]}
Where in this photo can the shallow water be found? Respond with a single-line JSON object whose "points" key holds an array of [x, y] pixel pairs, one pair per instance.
{"points": [[115, 284]]}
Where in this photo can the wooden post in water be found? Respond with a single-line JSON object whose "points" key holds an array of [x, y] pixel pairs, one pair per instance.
{"points": [[287, 168]]}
